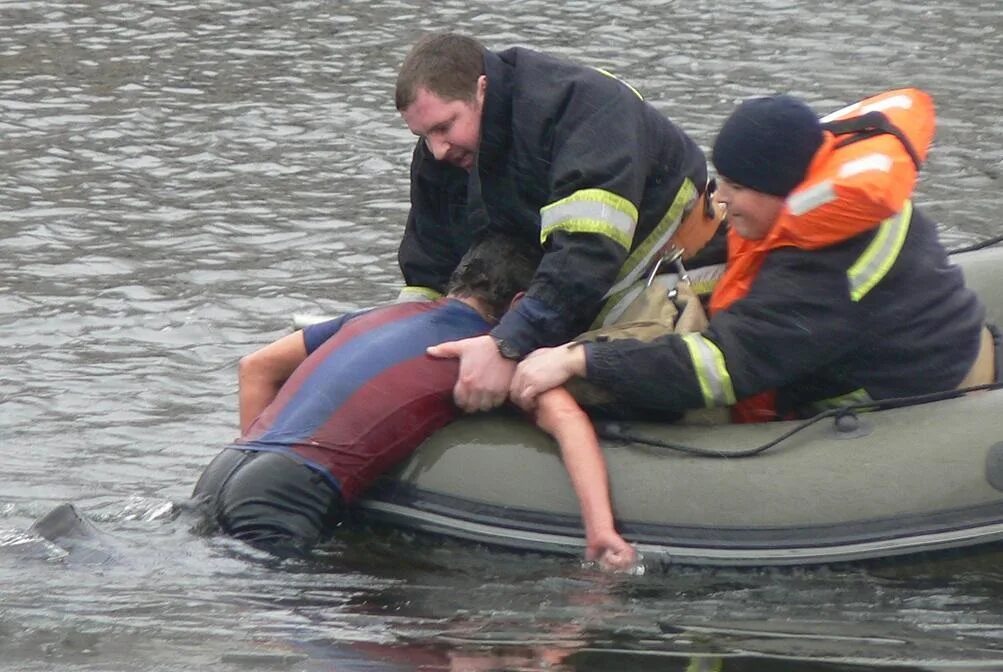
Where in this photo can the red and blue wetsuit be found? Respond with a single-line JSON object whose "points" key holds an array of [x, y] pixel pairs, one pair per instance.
{"points": [[366, 396]]}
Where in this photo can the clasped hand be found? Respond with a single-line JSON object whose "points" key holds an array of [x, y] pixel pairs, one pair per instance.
{"points": [[486, 378], [543, 370]]}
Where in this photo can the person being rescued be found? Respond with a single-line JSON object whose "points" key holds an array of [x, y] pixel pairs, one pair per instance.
{"points": [[836, 288], [327, 410]]}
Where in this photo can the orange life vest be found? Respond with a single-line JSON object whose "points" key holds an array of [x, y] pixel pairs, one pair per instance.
{"points": [[863, 173]]}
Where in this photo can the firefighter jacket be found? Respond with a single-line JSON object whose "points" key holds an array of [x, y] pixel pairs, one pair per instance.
{"points": [[572, 159], [860, 319]]}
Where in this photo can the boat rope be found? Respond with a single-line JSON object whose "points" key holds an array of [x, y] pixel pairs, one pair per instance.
{"points": [[618, 431], [988, 242]]}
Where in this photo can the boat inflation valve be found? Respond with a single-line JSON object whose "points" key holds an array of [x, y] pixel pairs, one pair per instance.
{"points": [[994, 466], [850, 426]]}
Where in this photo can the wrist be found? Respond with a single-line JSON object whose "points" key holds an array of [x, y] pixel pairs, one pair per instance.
{"points": [[576, 361], [506, 349]]}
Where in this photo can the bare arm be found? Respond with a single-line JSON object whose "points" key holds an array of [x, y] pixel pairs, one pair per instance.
{"points": [[558, 414], [545, 369], [263, 372]]}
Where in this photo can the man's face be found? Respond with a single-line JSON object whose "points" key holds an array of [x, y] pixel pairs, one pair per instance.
{"points": [[451, 129], [751, 213]]}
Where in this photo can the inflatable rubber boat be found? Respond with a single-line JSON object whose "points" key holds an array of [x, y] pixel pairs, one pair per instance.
{"points": [[923, 476]]}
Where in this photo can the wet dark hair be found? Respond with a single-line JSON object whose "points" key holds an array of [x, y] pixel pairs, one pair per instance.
{"points": [[494, 270], [446, 64]]}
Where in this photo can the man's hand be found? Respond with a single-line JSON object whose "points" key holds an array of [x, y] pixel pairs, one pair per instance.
{"points": [[611, 552], [485, 375], [543, 370]]}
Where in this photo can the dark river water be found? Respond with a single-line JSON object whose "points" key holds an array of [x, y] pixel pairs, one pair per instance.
{"points": [[177, 179]]}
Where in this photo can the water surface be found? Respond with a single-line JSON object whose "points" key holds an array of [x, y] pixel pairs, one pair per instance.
{"points": [[179, 178]]}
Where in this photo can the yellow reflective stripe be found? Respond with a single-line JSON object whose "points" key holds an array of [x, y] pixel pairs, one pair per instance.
{"points": [[614, 306], [880, 255], [858, 396], [712, 373], [710, 664], [591, 211], [644, 254], [612, 311], [414, 293], [612, 76]]}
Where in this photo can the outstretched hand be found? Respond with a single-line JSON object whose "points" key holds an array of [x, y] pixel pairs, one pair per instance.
{"points": [[485, 376]]}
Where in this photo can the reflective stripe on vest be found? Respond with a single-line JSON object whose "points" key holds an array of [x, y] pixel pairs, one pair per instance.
{"points": [[881, 104], [708, 362], [591, 211], [807, 199], [644, 254], [880, 255], [414, 293]]}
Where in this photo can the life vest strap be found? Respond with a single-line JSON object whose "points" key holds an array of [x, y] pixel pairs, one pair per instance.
{"points": [[867, 126]]}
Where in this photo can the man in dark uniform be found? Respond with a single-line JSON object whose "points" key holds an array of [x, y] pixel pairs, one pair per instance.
{"points": [[564, 156]]}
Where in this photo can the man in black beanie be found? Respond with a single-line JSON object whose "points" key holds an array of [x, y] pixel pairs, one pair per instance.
{"points": [[763, 151], [812, 312]]}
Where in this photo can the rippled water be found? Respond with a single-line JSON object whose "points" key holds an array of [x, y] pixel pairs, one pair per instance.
{"points": [[179, 178]]}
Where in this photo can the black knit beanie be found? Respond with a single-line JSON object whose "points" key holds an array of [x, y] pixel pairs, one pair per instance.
{"points": [[767, 144]]}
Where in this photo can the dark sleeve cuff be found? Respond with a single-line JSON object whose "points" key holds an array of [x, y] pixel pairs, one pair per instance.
{"points": [[530, 325], [655, 376], [600, 363]]}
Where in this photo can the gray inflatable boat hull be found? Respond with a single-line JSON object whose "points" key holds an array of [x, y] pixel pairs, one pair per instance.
{"points": [[905, 480]]}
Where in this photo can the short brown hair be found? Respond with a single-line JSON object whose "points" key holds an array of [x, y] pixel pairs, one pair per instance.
{"points": [[494, 270], [446, 64]]}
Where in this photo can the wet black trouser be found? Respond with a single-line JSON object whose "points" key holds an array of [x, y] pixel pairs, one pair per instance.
{"points": [[269, 501]]}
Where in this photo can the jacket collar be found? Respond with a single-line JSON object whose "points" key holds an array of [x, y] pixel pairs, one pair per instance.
{"points": [[496, 118]]}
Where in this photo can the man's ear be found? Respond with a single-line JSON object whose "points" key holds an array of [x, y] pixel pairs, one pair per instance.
{"points": [[516, 299], [481, 90]]}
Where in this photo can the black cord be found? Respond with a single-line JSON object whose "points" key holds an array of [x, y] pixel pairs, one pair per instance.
{"points": [[988, 242], [616, 432]]}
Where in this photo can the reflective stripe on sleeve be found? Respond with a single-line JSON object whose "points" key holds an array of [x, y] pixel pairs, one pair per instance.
{"points": [[644, 254], [880, 255], [591, 211], [712, 373]]}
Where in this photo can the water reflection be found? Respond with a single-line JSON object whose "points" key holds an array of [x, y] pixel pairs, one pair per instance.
{"points": [[180, 178], [385, 601]]}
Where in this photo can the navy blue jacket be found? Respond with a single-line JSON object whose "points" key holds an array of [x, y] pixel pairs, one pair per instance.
{"points": [[573, 138], [799, 331]]}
